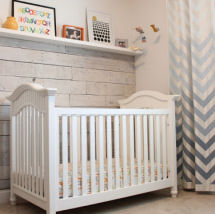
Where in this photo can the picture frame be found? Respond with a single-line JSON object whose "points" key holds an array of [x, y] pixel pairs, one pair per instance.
{"points": [[73, 32], [34, 18], [100, 27], [123, 43]]}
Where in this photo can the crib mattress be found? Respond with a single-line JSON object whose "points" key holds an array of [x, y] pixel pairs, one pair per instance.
{"points": [[70, 192]]}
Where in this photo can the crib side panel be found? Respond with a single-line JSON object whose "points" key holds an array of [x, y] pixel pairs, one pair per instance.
{"points": [[30, 131], [157, 100], [119, 148], [28, 115]]}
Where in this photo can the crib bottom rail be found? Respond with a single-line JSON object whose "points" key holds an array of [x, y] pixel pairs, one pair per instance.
{"points": [[89, 199]]}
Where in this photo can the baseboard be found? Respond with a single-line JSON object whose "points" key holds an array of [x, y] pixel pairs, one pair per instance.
{"points": [[4, 196]]}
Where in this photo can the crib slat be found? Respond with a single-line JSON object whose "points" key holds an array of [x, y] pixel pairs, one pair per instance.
{"points": [[145, 134], [124, 142], [109, 151], [97, 138], [30, 149], [92, 154], [116, 150], [17, 149], [57, 151], [42, 153], [84, 154], [65, 156], [37, 152], [74, 156], [158, 146], [26, 147], [101, 153], [79, 138], [151, 131], [33, 151], [138, 141], [22, 139], [23, 147], [13, 149], [131, 122], [164, 146]]}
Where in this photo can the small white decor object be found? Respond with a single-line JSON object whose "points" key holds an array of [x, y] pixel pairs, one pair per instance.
{"points": [[100, 27]]}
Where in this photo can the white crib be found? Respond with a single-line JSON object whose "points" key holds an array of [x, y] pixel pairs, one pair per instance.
{"points": [[63, 158]]}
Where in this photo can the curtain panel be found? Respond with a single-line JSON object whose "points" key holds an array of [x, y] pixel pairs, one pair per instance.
{"points": [[192, 75]]}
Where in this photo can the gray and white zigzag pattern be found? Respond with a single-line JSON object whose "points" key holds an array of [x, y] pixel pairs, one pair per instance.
{"points": [[192, 75]]}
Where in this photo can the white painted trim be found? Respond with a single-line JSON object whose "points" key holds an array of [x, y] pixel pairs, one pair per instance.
{"points": [[63, 41]]}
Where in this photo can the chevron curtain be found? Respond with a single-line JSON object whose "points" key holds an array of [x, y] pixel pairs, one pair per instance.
{"points": [[192, 75]]}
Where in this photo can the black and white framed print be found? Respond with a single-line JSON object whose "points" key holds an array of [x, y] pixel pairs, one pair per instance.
{"points": [[100, 27]]}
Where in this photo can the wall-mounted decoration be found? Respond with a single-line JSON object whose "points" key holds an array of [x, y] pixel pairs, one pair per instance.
{"points": [[142, 36], [123, 43], [100, 27], [155, 29], [34, 18], [73, 32], [152, 38]]}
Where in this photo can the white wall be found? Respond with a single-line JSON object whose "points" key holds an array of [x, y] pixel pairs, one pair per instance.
{"points": [[152, 70]]}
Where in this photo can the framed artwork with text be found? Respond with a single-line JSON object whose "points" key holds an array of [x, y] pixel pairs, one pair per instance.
{"points": [[34, 18]]}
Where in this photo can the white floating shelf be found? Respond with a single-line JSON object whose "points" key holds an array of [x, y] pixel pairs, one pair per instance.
{"points": [[68, 42]]}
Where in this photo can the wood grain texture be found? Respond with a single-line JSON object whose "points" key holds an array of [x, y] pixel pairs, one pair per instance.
{"points": [[4, 112], [4, 151], [4, 127], [73, 73]]}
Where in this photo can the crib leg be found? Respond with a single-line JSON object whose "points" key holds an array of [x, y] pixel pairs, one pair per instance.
{"points": [[50, 211], [174, 191], [12, 198]]}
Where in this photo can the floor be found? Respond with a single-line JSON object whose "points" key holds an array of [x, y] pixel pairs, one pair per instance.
{"points": [[151, 203]]}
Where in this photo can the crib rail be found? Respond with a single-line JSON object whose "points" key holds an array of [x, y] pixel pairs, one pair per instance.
{"points": [[106, 149]]}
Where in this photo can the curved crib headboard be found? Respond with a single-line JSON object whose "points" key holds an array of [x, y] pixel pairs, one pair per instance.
{"points": [[148, 99], [32, 94], [32, 134]]}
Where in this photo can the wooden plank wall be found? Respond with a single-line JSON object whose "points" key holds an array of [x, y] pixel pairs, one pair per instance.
{"points": [[4, 144], [82, 77]]}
